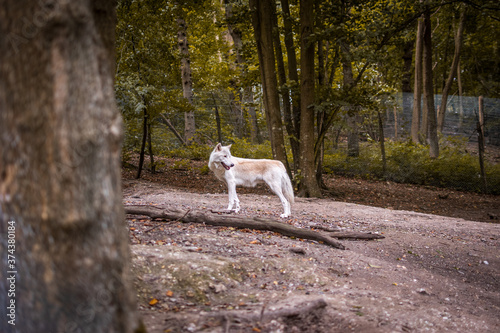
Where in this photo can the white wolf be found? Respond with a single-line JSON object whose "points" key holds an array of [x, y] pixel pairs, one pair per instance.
{"points": [[236, 171]]}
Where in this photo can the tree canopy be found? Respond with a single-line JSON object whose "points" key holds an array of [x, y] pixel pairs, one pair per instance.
{"points": [[361, 53]]}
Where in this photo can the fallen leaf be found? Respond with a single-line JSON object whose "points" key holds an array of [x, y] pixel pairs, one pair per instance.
{"points": [[170, 293], [153, 301], [255, 242]]}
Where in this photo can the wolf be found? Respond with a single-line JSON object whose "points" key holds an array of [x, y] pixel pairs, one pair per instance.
{"points": [[236, 171]]}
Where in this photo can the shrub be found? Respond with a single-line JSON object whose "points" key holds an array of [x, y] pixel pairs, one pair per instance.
{"points": [[410, 163]]}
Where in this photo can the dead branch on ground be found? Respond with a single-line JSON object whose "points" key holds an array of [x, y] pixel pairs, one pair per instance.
{"points": [[242, 222]]}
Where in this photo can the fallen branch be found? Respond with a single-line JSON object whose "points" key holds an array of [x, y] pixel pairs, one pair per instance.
{"points": [[241, 222], [273, 312], [354, 235]]}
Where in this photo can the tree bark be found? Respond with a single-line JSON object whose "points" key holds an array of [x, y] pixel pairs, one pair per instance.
{"points": [[417, 88], [453, 72], [293, 128], [352, 121], [262, 24], [60, 187], [283, 89], [187, 81], [143, 145], [217, 119], [310, 186], [428, 88], [150, 150]]}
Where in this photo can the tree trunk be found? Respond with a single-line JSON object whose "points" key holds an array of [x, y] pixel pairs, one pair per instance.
{"points": [[417, 89], [150, 150], [293, 81], [428, 88], [262, 24], [382, 143], [480, 142], [352, 121], [235, 94], [143, 145], [285, 95], [406, 87], [217, 120], [460, 98], [453, 71], [60, 186], [187, 82], [310, 186]]}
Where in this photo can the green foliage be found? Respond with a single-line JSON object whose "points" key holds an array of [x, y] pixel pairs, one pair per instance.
{"points": [[204, 170], [192, 152], [246, 149], [410, 163], [181, 165]]}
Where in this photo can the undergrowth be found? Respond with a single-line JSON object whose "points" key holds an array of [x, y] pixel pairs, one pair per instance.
{"points": [[405, 163]]}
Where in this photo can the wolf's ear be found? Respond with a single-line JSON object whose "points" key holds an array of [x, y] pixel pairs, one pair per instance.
{"points": [[229, 147], [218, 147]]}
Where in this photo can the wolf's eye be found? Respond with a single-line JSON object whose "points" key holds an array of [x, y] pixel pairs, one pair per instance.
{"points": [[225, 155]]}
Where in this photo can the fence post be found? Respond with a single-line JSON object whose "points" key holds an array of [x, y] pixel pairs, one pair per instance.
{"points": [[480, 141]]}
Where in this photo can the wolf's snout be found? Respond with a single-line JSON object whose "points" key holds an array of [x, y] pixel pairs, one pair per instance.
{"points": [[232, 165]]}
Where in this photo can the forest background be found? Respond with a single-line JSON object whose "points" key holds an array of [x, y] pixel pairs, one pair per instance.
{"points": [[340, 87]]}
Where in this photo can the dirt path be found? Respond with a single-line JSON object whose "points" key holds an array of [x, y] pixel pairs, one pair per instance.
{"points": [[431, 273]]}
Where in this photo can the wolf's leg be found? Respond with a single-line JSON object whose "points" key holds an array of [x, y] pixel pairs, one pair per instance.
{"points": [[276, 188], [233, 197]]}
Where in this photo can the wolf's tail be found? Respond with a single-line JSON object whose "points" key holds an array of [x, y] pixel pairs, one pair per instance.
{"points": [[287, 188]]}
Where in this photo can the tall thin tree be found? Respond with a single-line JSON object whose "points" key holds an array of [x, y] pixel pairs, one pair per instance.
{"points": [[310, 186], [432, 136]]}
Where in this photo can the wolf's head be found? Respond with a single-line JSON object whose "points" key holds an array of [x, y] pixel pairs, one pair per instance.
{"points": [[222, 156]]}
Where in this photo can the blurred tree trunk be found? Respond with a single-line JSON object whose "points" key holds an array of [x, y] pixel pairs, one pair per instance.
{"points": [[453, 71], [428, 88], [60, 145], [187, 81], [262, 24], [310, 186]]}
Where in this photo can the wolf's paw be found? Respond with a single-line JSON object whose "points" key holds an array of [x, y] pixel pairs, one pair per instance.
{"points": [[284, 216]]}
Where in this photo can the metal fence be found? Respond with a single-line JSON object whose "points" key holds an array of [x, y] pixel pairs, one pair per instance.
{"points": [[461, 117]]}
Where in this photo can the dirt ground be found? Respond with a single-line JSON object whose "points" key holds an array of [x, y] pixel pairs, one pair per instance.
{"points": [[437, 270]]}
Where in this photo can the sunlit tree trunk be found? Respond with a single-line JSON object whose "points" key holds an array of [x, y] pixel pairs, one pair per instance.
{"points": [[60, 192]]}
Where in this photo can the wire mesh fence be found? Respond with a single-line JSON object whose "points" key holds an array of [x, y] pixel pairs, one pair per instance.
{"points": [[456, 168]]}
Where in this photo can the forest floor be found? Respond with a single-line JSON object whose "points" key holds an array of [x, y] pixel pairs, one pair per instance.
{"points": [[438, 268]]}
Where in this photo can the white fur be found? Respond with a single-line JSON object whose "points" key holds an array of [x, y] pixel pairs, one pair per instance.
{"points": [[250, 172]]}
